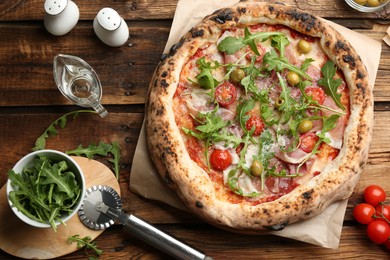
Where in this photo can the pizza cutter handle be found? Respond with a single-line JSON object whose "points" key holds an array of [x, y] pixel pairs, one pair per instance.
{"points": [[157, 238]]}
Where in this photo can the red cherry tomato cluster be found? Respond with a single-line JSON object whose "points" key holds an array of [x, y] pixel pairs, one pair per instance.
{"points": [[375, 214]]}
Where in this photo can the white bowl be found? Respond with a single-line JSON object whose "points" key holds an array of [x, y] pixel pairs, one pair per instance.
{"points": [[366, 9], [54, 156]]}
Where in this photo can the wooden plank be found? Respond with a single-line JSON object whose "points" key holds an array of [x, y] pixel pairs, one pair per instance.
{"points": [[220, 244], [26, 63], [165, 9]]}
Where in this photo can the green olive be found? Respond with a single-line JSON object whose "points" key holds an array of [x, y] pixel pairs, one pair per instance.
{"points": [[237, 75], [292, 78], [279, 102], [373, 3], [361, 2], [256, 168], [304, 46], [305, 126]]}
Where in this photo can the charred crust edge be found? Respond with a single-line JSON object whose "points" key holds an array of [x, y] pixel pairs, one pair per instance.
{"points": [[222, 15]]}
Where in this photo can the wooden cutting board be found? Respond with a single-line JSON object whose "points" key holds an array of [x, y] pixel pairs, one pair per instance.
{"points": [[22, 240]]}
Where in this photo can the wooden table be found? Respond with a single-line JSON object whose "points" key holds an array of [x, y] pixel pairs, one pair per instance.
{"points": [[30, 101]]}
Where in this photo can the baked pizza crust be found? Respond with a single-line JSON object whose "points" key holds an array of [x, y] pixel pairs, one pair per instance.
{"points": [[193, 185]]}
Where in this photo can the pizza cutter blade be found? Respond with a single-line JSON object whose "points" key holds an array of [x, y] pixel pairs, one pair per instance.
{"points": [[102, 206]]}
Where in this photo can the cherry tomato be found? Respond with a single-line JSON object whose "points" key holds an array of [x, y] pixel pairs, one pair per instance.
{"points": [[317, 94], [378, 231], [308, 141], [383, 211], [374, 194], [257, 122], [220, 159], [387, 244], [225, 94], [363, 213]]}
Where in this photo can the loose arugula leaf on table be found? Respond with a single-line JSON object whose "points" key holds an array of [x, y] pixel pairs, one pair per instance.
{"points": [[44, 191], [40, 143], [87, 243], [232, 44], [101, 149], [115, 151], [92, 149], [331, 84]]}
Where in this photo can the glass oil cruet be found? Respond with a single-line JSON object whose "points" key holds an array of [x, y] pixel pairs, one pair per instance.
{"points": [[78, 82]]}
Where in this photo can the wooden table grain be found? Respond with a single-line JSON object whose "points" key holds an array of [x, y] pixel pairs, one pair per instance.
{"points": [[30, 101]]}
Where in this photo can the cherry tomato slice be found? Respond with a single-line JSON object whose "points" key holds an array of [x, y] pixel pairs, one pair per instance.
{"points": [[225, 94], [308, 141], [363, 213], [317, 94], [257, 122], [378, 231], [374, 194], [383, 211], [220, 159]]}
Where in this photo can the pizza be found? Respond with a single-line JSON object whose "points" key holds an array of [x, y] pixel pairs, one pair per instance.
{"points": [[259, 117]]}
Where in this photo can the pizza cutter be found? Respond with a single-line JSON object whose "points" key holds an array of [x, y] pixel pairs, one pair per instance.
{"points": [[102, 207]]}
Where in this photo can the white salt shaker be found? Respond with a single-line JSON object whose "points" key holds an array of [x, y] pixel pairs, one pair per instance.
{"points": [[60, 16], [110, 28]]}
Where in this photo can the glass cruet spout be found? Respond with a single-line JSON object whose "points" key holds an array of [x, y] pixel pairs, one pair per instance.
{"points": [[78, 82]]}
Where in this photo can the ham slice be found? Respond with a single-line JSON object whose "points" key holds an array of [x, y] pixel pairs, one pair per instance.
{"points": [[295, 157]]}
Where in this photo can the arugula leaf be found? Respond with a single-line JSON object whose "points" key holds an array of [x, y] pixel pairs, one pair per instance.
{"points": [[330, 83], [85, 242], [328, 124], [288, 104], [272, 61], [205, 78], [92, 149], [64, 181], [210, 125], [224, 136], [101, 149], [40, 143], [306, 64], [44, 191], [233, 184], [280, 42], [242, 110], [231, 44], [115, 151], [265, 153], [248, 82]]}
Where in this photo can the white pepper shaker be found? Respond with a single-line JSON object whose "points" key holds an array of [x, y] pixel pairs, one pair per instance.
{"points": [[60, 16], [110, 28]]}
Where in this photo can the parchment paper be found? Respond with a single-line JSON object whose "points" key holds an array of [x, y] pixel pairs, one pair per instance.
{"points": [[324, 229]]}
